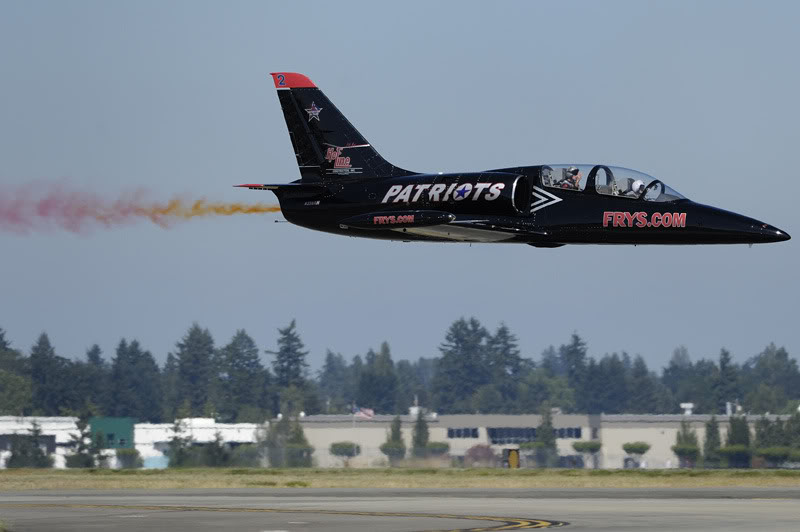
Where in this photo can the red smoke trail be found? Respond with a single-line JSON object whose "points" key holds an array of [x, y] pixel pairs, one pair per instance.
{"points": [[43, 206]]}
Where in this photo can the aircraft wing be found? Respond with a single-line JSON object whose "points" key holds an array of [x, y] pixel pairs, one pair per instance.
{"points": [[475, 230]]}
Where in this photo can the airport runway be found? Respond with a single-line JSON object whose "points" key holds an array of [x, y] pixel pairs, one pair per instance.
{"points": [[340, 510]]}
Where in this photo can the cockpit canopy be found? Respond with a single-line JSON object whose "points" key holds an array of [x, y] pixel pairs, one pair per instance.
{"points": [[609, 181]]}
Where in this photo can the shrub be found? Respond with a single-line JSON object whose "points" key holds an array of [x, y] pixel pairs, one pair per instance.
{"points": [[298, 455], [591, 447], [588, 447], [345, 450], [216, 453], [129, 459], [687, 454], [79, 461], [437, 448], [394, 451], [246, 455], [540, 453], [26, 451], [480, 455], [636, 447], [737, 456], [774, 456]]}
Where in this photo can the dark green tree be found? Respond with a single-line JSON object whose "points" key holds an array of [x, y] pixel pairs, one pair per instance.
{"points": [[377, 385], [552, 364], [738, 431], [488, 399], [539, 387], [726, 383], [169, 386], [26, 450], [505, 366], [216, 453], [646, 393], [693, 385], [712, 444], [87, 450], [791, 430], [611, 380], [574, 360], [180, 452], [244, 381], [52, 380], [764, 398], [289, 366], [11, 360], [546, 452], [394, 448], [543, 452], [136, 383], [686, 446], [299, 451], [335, 385], [4, 344], [737, 451], [462, 368], [419, 438], [409, 386], [290, 370], [129, 459], [770, 433], [195, 365], [15, 394], [286, 444], [770, 380], [97, 376], [678, 370]]}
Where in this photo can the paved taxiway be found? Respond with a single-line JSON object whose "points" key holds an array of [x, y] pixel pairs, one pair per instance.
{"points": [[259, 510]]}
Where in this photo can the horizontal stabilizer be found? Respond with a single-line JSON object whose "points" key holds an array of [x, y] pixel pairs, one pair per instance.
{"points": [[285, 186], [295, 190]]}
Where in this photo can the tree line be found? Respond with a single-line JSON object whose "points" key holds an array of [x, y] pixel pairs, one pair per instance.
{"points": [[476, 371]]}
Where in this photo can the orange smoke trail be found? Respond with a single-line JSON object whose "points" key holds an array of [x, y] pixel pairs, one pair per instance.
{"points": [[165, 214], [44, 206]]}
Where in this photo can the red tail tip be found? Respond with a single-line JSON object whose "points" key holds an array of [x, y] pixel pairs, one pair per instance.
{"points": [[291, 80]]}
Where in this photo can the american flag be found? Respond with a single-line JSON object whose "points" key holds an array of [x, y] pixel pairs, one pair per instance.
{"points": [[363, 413]]}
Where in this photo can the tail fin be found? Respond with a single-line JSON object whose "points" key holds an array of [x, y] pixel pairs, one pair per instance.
{"points": [[326, 144]]}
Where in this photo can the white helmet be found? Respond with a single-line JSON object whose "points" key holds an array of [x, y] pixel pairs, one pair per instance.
{"points": [[637, 186]]}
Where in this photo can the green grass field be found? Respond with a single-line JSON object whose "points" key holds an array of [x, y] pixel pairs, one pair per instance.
{"points": [[103, 479]]}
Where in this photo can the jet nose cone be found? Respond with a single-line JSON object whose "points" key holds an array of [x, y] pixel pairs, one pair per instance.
{"points": [[775, 234]]}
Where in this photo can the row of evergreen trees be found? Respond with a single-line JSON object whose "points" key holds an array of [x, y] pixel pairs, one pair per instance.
{"points": [[476, 371], [775, 442]]}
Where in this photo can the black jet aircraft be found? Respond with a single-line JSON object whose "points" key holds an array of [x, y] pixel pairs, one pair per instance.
{"points": [[347, 188]]}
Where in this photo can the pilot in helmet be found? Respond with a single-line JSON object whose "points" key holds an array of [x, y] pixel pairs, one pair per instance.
{"points": [[573, 178], [637, 187]]}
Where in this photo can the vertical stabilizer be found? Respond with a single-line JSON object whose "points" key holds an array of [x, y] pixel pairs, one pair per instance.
{"points": [[326, 144]]}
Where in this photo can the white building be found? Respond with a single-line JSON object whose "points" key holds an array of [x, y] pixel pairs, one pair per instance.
{"points": [[152, 439], [57, 435], [461, 432]]}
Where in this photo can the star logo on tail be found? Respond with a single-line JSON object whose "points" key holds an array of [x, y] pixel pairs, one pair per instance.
{"points": [[313, 112]]}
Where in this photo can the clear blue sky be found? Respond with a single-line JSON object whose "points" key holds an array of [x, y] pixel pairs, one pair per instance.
{"points": [[175, 97]]}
